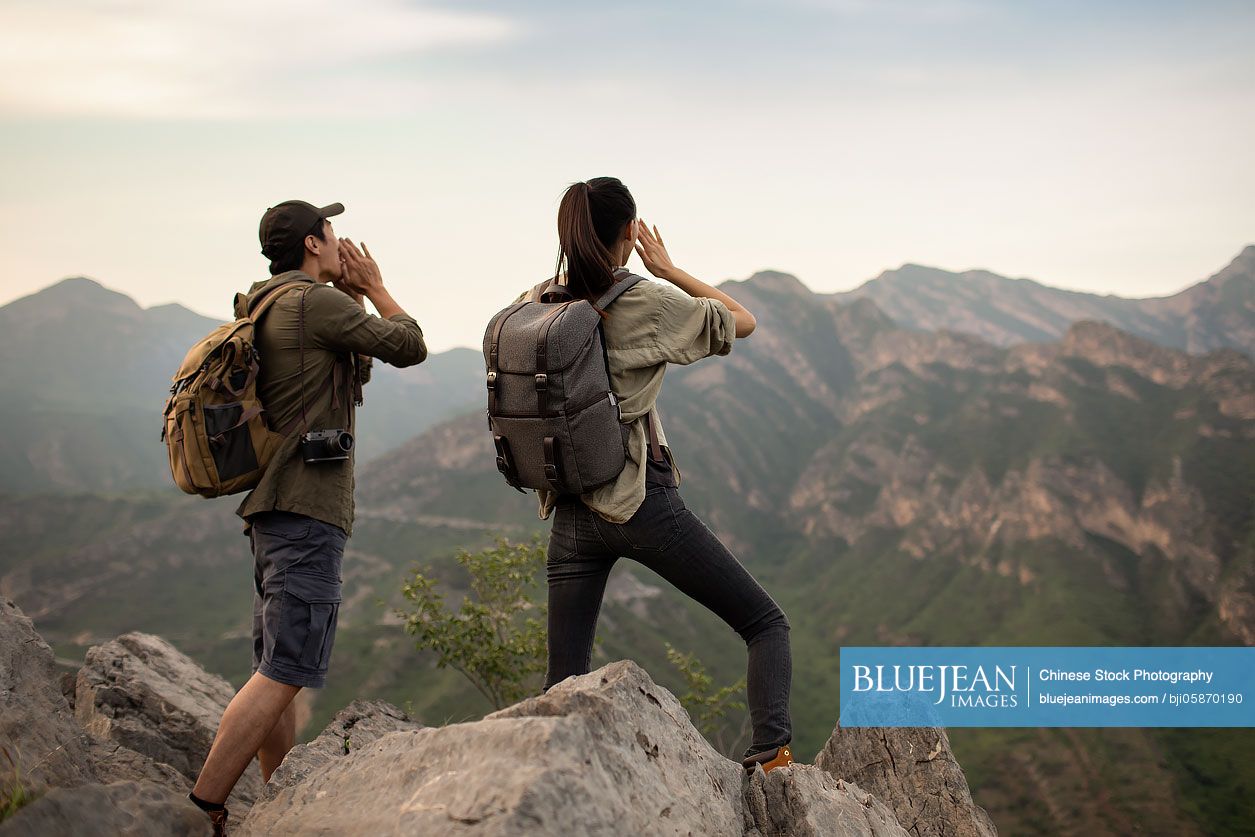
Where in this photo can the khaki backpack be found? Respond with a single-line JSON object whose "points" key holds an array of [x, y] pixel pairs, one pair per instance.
{"points": [[215, 428]]}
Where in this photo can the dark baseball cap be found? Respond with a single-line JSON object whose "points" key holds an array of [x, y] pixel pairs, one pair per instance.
{"points": [[286, 224]]}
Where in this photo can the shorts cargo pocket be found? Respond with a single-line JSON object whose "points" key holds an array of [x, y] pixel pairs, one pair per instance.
{"points": [[311, 607]]}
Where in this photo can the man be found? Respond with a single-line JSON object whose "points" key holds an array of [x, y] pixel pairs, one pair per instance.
{"points": [[316, 343]]}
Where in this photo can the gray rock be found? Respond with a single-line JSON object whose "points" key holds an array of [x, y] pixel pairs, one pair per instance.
{"points": [[139, 691], [606, 753], [125, 809], [38, 736], [914, 772], [121, 764], [353, 728], [803, 801]]}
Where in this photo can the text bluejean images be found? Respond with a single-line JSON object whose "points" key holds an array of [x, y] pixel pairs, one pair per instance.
{"points": [[1048, 687]]}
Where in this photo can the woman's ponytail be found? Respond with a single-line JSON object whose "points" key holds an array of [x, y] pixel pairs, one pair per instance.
{"points": [[591, 218]]}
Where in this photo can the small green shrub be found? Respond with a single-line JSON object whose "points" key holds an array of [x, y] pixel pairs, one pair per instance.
{"points": [[497, 637]]}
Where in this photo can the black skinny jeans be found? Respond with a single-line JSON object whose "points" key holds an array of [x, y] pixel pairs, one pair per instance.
{"points": [[669, 539]]}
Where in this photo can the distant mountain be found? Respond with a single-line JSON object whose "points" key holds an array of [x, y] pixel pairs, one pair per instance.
{"points": [[896, 487], [888, 485], [1214, 314], [833, 424], [87, 369]]}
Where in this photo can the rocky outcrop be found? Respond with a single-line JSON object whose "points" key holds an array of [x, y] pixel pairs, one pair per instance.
{"points": [[354, 727], [914, 772], [142, 718], [804, 801], [606, 753], [140, 692], [59, 765], [38, 737], [609, 752], [134, 809]]}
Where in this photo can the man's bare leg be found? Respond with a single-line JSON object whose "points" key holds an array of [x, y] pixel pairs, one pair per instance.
{"points": [[271, 752], [249, 720]]}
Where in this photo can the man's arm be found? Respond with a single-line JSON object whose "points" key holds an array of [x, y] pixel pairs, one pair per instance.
{"points": [[364, 363], [339, 322]]}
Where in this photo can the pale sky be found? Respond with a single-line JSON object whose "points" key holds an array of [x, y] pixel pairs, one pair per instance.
{"points": [[1102, 146]]}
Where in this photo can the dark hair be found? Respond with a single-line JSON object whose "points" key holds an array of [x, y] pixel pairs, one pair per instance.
{"points": [[294, 258], [591, 217]]}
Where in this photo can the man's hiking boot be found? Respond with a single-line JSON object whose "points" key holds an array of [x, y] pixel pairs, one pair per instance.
{"points": [[769, 760], [217, 814], [219, 821]]}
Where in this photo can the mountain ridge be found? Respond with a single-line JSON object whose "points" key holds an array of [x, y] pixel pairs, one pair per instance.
{"points": [[888, 485]]}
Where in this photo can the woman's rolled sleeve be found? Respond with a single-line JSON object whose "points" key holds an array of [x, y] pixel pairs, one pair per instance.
{"points": [[691, 328]]}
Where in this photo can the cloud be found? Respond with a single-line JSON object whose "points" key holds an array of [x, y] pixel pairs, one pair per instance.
{"points": [[225, 59], [902, 11]]}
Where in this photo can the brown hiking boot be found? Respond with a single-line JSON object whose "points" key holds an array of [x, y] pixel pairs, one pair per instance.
{"points": [[769, 760], [219, 821]]}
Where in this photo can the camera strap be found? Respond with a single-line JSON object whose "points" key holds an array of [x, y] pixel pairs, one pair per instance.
{"points": [[329, 383]]}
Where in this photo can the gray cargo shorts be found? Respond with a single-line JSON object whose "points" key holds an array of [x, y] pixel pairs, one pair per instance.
{"points": [[297, 593]]}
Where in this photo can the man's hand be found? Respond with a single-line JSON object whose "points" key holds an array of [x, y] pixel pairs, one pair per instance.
{"points": [[361, 274], [340, 284]]}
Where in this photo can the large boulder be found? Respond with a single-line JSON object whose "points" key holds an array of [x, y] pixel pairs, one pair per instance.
{"points": [[140, 692], [116, 763], [608, 752], [39, 739], [914, 772], [353, 728], [803, 801], [125, 809]]}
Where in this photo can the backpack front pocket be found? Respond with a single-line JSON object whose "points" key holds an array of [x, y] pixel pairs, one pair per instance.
{"points": [[230, 440]]}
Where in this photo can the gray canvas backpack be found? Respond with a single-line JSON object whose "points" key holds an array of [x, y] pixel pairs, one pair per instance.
{"points": [[554, 417]]}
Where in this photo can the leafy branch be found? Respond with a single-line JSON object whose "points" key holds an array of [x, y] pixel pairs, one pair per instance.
{"points": [[497, 637]]}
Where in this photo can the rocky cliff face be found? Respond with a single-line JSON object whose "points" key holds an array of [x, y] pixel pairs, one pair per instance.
{"points": [[836, 425], [1214, 314], [610, 753]]}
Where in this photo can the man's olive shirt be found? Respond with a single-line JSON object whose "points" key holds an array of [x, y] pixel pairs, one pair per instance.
{"points": [[336, 328]]}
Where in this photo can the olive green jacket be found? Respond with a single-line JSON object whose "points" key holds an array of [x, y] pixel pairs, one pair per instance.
{"points": [[650, 325], [339, 334]]}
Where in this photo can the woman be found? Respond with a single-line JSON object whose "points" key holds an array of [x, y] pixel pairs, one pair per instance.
{"points": [[640, 513]]}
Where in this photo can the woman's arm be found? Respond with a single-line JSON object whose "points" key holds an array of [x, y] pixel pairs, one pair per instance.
{"points": [[653, 253]]}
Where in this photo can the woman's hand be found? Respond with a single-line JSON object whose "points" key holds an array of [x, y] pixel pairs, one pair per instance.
{"points": [[653, 252]]}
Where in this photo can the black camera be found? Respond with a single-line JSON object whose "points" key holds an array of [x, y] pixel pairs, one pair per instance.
{"points": [[326, 446]]}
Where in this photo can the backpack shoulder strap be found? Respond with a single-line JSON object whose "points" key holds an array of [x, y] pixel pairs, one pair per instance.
{"points": [[651, 430], [617, 289], [260, 307]]}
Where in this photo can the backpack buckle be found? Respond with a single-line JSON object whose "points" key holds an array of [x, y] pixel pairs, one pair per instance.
{"points": [[542, 382], [492, 380]]}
